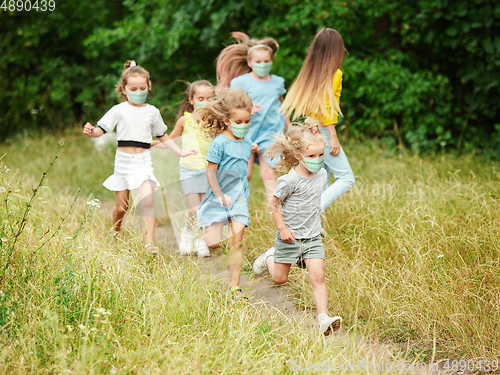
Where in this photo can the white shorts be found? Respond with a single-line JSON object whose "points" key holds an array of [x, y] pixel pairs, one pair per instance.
{"points": [[131, 170]]}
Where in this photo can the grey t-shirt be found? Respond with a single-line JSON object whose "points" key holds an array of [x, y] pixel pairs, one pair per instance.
{"points": [[301, 202]]}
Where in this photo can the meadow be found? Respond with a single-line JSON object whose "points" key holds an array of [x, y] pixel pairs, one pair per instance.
{"points": [[412, 258]]}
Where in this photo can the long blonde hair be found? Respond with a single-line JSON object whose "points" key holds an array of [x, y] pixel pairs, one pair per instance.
{"points": [[211, 117], [314, 84], [130, 68], [232, 60], [297, 138]]}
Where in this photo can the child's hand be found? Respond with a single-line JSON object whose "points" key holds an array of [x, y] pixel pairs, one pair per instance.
{"points": [[88, 129], [224, 200], [334, 142], [157, 143], [190, 151], [255, 148], [256, 108], [286, 235]]}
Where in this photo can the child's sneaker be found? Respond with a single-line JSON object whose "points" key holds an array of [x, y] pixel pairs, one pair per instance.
{"points": [[329, 325], [260, 264], [186, 242], [202, 248]]}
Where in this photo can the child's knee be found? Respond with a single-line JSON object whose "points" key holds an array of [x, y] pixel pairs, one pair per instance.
{"points": [[317, 278], [350, 180], [121, 208], [213, 246], [280, 279]]}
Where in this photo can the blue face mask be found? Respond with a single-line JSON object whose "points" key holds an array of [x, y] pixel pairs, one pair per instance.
{"points": [[137, 98], [262, 70], [313, 165], [200, 104], [239, 131]]}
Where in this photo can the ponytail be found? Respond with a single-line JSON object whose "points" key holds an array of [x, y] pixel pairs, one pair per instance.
{"points": [[232, 60]]}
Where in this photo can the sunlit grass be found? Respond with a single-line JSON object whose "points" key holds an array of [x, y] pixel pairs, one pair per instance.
{"points": [[412, 257]]}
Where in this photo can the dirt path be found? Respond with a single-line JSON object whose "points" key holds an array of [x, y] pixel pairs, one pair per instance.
{"points": [[261, 289]]}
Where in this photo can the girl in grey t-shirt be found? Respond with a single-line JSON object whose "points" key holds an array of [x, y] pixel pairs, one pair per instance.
{"points": [[296, 210]]}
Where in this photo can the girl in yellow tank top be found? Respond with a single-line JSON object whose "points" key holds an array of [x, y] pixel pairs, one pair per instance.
{"points": [[193, 169]]}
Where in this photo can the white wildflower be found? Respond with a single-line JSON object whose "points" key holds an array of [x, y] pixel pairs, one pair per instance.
{"points": [[69, 328], [81, 326], [100, 310], [69, 238], [440, 256], [2, 189], [4, 240], [94, 203], [442, 143]]}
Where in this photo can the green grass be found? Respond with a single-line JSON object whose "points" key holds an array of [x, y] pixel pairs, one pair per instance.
{"points": [[412, 257]]}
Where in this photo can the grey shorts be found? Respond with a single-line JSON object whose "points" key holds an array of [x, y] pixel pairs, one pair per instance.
{"points": [[193, 181], [298, 250]]}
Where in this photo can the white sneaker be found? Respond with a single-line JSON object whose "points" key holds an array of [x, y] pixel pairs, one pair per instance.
{"points": [[186, 242], [329, 325], [202, 248], [260, 264]]}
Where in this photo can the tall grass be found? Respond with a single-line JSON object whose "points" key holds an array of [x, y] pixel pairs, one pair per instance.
{"points": [[85, 302], [413, 253], [412, 257]]}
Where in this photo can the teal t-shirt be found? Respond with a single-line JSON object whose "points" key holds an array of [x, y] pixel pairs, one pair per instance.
{"points": [[268, 122]]}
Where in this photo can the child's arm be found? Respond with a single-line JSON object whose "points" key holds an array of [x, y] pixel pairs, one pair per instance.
{"points": [[176, 133], [169, 143], [334, 140], [91, 131], [214, 185], [285, 233]]}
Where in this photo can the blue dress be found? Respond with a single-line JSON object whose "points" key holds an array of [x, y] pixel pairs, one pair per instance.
{"points": [[269, 121], [232, 158]]}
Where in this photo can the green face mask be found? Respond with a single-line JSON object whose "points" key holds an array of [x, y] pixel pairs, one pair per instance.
{"points": [[137, 98], [239, 131], [313, 165], [200, 104], [262, 70]]}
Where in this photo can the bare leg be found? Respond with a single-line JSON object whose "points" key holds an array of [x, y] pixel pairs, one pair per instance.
{"points": [[236, 251], [250, 166], [193, 202], [121, 207], [269, 177], [278, 271], [213, 235], [147, 202], [316, 269]]}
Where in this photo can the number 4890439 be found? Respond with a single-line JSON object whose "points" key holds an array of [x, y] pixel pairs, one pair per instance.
{"points": [[28, 5]]}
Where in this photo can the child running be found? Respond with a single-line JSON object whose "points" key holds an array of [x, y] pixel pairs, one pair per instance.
{"points": [[193, 168], [246, 65], [316, 93], [298, 239], [227, 120], [135, 122]]}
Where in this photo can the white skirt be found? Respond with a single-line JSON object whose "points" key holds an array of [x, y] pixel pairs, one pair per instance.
{"points": [[131, 170]]}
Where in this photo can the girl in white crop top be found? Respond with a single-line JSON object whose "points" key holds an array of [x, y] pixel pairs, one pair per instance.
{"points": [[136, 122]]}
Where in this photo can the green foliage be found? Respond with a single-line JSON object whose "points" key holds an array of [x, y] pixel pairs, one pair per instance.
{"points": [[429, 66]]}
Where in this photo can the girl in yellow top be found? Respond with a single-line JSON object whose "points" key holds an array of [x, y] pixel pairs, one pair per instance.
{"points": [[316, 93], [193, 169]]}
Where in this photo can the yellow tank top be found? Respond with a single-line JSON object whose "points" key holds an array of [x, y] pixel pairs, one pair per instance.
{"points": [[193, 137]]}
